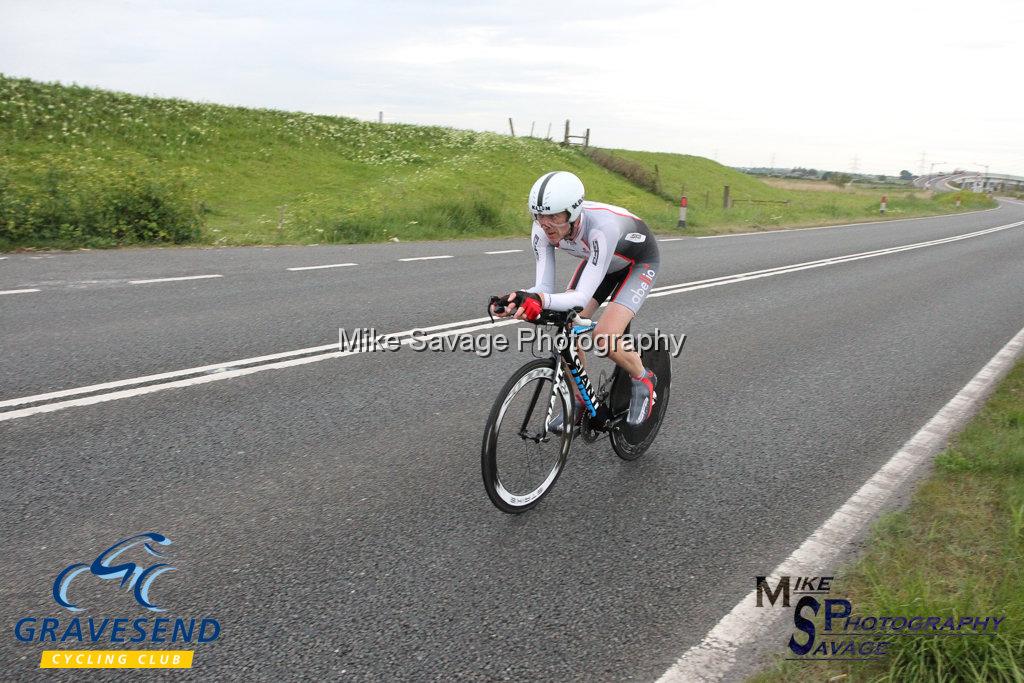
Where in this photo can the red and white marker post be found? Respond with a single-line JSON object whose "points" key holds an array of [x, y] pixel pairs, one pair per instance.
{"points": [[884, 205], [682, 212]]}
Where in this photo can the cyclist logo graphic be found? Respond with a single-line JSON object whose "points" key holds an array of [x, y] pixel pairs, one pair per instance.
{"points": [[136, 577]]}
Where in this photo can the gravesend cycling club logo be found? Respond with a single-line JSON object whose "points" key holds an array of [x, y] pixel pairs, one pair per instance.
{"points": [[134, 564], [138, 578], [828, 628]]}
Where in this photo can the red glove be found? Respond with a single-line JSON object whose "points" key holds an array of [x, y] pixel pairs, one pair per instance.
{"points": [[531, 304]]}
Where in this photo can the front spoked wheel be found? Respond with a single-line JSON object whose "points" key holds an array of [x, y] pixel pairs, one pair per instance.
{"points": [[632, 442], [521, 459]]}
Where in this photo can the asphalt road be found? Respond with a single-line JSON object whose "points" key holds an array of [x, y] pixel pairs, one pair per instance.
{"points": [[330, 515]]}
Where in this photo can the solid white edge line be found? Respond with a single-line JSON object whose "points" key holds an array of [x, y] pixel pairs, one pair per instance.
{"points": [[172, 279], [425, 258], [715, 656], [222, 369], [842, 225], [504, 251], [332, 265], [19, 291]]}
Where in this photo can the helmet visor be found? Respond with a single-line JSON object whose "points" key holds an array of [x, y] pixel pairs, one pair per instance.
{"points": [[553, 220]]}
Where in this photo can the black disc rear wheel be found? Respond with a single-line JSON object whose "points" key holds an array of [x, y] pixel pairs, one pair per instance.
{"points": [[632, 442]]}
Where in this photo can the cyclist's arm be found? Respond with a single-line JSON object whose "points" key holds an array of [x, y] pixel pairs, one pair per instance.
{"points": [[544, 252], [595, 270]]}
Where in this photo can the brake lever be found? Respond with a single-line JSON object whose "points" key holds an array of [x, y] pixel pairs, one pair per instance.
{"points": [[499, 307]]}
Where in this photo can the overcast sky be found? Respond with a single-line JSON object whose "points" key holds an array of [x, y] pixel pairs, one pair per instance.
{"points": [[865, 85]]}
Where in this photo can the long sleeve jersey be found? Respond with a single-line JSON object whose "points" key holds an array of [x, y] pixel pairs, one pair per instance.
{"points": [[608, 238]]}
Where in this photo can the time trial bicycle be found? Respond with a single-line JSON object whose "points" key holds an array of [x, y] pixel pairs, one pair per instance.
{"points": [[522, 456]]}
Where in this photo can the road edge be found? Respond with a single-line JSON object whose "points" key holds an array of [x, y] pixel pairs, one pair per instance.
{"points": [[716, 657]]}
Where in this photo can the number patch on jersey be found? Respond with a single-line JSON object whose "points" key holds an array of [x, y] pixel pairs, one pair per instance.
{"points": [[636, 237]]}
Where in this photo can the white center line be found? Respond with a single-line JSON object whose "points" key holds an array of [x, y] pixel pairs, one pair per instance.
{"points": [[670, 239], [18, 291], [843, 225], [228, 370], [332, 265], [424, 258], [504, 251], [172, 279]]}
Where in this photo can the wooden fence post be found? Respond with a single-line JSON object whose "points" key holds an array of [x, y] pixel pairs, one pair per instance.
{"points": [[510, 127], [725, 198]]}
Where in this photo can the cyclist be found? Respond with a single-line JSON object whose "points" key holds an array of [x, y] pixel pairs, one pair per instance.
{"points": [[620, 258]]}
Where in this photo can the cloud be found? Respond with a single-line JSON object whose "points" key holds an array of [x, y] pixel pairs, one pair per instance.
{"points": [[813, 83]]}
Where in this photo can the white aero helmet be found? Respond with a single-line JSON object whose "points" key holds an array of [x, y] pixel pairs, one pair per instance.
{"points": [[556, 192]]}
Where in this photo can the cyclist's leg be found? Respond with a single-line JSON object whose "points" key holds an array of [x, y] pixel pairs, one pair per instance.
{"points": [[626, 301], [611, 281], [608, 339]]}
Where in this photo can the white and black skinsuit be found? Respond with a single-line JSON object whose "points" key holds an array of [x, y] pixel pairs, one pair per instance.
{"points": [[619, 253]]}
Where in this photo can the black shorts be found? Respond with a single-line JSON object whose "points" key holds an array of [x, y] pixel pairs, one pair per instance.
{"points": [[627, 286]]}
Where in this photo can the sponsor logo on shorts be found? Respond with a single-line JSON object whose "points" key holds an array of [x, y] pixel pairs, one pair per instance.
{"points": [[646, 281], [637, 237]]}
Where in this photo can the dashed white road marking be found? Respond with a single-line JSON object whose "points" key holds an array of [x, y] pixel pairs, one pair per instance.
{"points": [[18, 291], [504, 251], [331, 265], [715, 656], [670, 239], [231, 369], [172, 279], [425, 258]]}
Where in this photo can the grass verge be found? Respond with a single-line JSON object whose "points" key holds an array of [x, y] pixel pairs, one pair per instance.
{"points": [[88, 167], [759, 205], [957, 550]]}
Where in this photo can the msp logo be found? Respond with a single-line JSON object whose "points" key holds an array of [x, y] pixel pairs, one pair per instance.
{"points": [[137, 575], [138, 578], [842, 634]]}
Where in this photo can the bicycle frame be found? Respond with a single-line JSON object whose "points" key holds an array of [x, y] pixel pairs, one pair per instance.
{"points": [[565, 349], [606, 407]]}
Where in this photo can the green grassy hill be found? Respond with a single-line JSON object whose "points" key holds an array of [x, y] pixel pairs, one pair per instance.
{"points": [[81, 166], [759, 205]]}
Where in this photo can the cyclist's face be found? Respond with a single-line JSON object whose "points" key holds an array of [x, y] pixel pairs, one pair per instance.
{"points": [[555, 226]]}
